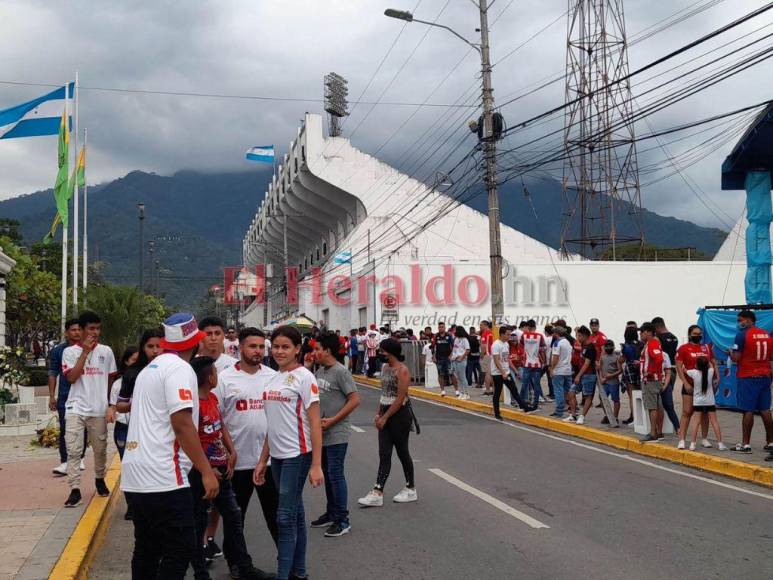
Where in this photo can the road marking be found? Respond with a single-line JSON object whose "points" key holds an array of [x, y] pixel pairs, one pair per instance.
{"points": [[357, 429], [604, 451], [500, 505]]}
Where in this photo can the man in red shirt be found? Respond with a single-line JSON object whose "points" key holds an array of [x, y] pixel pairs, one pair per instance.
{"points": [[686, 357], [486, 342], [597, 338], [654, 378], [753, 352]]}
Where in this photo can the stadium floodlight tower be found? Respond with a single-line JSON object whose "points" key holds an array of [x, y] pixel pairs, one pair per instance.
{"points": [[336, 103], [601, 175]]}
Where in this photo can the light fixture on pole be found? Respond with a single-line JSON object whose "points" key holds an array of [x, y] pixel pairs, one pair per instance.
{"points": [[141, 208], [488, 137]]}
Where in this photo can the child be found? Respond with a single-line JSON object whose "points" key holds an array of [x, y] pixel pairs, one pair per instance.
{"points": [[219, 449], [700, 379]]}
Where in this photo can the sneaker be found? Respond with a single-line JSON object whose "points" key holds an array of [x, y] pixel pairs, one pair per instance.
{"points": [[530, 410], [233, 569], [101, 488], [769, 457], [407, 495], [581, 420], [628, 421], [253, 573], [498, 417], [337, 530], [680, 445], [212, 550], [543, 399], [706, 443], [322, 521], [466, 397], [768, 447], [570, 419], [648, 438], [83, 465], [721, 446], [74, 499], [742, 448], [373, 499], [442, 392], [458, 394], [661, 437], [605, 420], [60, 469], [692, 446], [551, 398]]}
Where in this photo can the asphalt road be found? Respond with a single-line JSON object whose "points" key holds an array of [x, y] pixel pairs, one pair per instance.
{"points": [[507, 501]]}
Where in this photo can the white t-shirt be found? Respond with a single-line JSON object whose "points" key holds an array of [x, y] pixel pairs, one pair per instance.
{"points": [[461, 345], [241, 404], [700, 399], [563, 349], [153, 460], [287, 396], [224, 362], [114, 390], [427, 352], [231, 347], [501, 350], [88, 395]]}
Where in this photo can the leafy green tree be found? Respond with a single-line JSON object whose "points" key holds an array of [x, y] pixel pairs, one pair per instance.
{"points": [[10, 229]]}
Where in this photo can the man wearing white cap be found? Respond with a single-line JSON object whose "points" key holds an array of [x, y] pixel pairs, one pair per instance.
{"points": [[161, 445]]}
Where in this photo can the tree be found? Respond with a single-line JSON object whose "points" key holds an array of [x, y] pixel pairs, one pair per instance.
{"points": [[10, 229], [126, 313]]}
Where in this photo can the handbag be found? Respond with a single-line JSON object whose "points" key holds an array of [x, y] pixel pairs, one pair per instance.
{"points": [[413, 417]]}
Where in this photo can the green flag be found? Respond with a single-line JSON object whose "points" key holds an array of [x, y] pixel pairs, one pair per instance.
{"points": [[78, 174], [62, 186]]}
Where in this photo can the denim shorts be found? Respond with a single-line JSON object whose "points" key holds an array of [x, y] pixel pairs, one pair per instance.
{"points": [[754, 394], [588, 385], [613, 391], [443, 368]]}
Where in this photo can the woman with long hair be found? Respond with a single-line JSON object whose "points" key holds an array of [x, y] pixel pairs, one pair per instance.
{"points": [[701, 380], [687, 356], [294, 444], [459, 354], [128, 358], [631, 378], [394, 420]]}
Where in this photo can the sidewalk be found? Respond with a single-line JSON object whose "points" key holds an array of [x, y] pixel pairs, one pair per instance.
{"points": [[34, 526]]}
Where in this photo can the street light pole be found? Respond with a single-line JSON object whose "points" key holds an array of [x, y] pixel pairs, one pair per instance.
{"points": [[488, 141], [141, 207]]}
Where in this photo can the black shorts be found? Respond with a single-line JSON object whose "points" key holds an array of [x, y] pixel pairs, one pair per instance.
{"points": [[705, 408]]}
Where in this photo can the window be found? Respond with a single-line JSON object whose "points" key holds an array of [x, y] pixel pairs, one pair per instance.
{"points": [[363, 314], [324, 248], [326, 317], [296, 165], [317, 254]]}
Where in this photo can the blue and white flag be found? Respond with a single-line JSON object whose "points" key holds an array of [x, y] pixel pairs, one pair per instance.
{"points": [[344, 257], [41, 116], [264, 154]]}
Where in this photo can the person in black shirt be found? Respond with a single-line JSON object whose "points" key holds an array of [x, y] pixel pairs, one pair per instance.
{"points": [[442, 344], [585, 378], [669, 343], [473, 360]]}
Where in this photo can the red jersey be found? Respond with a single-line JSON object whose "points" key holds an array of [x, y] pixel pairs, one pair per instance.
{"points": [[756, 348], [652, 361], [517, 355], [689, 353], [211, 431], [533, 344], [486, 341], [598, 339]]}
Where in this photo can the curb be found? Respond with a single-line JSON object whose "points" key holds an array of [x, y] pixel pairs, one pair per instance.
{"points": [[710, 463], [78, 553]]}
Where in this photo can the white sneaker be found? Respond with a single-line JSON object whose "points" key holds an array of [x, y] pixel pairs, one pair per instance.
{"points": [[569, 419], [407, 495], [692, 446], [83, 465], [706, 443], [442, 392], [680, 445], [60, 469], [581, 420], [373, 499], [458, 394], [466, 397], [721, 446]]}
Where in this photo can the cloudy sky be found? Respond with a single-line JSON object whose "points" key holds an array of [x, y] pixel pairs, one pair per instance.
{"points": [[282, 49]]}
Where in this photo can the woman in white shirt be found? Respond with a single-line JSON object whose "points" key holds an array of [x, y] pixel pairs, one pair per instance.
{"points": [[294, 444], [121, 429], [459, 354], [700, 381]]}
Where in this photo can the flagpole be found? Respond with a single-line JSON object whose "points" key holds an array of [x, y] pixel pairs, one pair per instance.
{"points": [[76, 204], [64, 224], [85, 221]]}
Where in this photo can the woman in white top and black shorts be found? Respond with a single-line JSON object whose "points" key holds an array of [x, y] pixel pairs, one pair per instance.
{"points": [[394, 421]]}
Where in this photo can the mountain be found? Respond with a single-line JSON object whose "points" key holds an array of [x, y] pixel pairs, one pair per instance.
{"points": [[198, 221]]}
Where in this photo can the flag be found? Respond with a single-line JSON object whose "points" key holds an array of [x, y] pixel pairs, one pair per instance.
{"points": [[344, 257], [78, 174], [61, 188], [52, 232], [34, 118], [264, 154]]}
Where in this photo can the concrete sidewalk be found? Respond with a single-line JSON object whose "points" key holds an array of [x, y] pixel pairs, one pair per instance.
{"points": [[34, 526]]}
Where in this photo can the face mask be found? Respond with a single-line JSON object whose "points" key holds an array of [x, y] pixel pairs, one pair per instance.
{"points": [[609, 350], [696, 339]]}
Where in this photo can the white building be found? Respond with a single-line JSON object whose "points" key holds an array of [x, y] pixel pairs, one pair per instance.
{"points": [[6, 264], [334, 199]]}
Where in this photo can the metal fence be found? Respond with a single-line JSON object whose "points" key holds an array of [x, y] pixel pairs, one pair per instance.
{"points": [[414, 360]]}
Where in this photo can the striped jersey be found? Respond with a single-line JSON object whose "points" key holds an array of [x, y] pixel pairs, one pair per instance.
{"points": [[286, 399], [534, 348]]}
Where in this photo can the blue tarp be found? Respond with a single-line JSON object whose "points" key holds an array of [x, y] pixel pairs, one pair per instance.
{"points": [[758, 255]]}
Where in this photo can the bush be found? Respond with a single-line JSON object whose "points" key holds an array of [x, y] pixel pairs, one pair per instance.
{"points": [[38, 377]]}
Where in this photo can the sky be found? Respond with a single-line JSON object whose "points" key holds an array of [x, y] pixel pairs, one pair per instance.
{"points": [[283, 49]]}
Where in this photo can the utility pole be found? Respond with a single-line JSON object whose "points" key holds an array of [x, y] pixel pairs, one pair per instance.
{"points": [[141, 207]]}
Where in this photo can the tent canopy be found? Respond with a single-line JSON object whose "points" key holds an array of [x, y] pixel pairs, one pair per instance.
{"points": [[754, 151]]}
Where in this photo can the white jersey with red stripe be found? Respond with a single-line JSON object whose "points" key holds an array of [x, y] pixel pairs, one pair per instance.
{"points": [[287, 398], [534, 348], [153, 460]]}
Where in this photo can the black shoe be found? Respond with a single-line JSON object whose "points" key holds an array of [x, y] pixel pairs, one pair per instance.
{"points": [[648, 439], [337, 529], [628, 421], [498, 417], [769, 457], [74, 499], [102, 490], [605, 420], [294, 577], [600, 406], [212, 550], [253, 573], [322, 521]]}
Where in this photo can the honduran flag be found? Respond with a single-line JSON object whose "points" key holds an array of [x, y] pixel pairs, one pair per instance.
{"points": [[264, 154], [41, 116]]}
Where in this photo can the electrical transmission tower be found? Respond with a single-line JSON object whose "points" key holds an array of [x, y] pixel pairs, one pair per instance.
{"points": [[601, 174]]}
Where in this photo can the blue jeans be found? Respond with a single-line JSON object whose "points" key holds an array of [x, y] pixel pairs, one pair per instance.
{"points": [[667, 396], [289, 476], [119, 436], [531, 379], [561, 385], [459, 368], [473, 370], [336, 491]]}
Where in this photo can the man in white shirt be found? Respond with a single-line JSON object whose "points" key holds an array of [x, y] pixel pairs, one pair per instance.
{"points": [[500, 372], [161, 445], [560, 368], [231, 343], [90, 369], [213, 343], [240, 392]]}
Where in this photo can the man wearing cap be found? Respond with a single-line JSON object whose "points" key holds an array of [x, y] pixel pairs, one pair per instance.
{"points": [[655, 375], [161, 445], [597, 338]]}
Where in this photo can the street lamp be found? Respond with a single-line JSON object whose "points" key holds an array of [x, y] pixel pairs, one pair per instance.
{"points": [[488, 140], [141, 208]]}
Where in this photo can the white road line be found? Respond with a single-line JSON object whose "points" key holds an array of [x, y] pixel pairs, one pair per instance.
{"points": [[357, 429], [607, 452], [500, 505]]}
